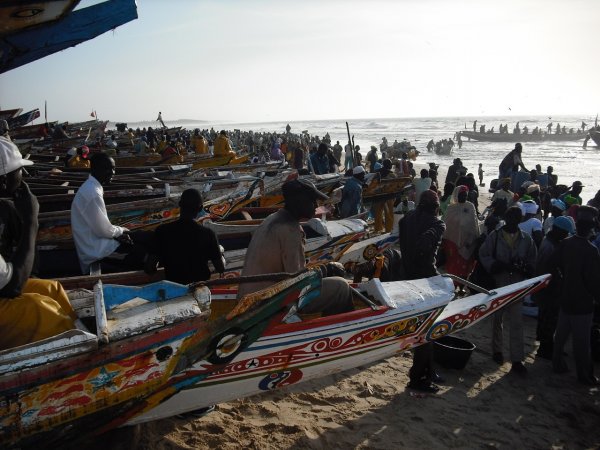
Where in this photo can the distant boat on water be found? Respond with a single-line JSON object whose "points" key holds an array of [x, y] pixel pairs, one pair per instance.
{"points": [[529, 137]]}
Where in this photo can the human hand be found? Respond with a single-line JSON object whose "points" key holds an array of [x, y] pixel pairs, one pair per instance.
{"points": [[26, 204], [124, 239]]}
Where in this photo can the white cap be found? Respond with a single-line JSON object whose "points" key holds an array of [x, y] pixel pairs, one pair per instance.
{"points": [[358, 170], [10, 157]]}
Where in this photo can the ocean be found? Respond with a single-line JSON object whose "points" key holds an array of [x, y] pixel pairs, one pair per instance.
{"points": [[570, 160]]}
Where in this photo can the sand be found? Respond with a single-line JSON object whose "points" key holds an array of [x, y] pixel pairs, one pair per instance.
{"points": [[481, 406]]}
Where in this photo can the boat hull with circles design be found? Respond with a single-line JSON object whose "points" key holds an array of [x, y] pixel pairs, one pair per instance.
{"points": [[402, 315], [123, 358]]}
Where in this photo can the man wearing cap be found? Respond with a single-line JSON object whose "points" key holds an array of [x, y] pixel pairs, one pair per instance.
{"points": [[421, 234], [30, 309], [557, 209], [509, 255], [579, 263], [574, 192], [278, 243], [351, 202], [511, 162], [547, 299], [530, 223]]}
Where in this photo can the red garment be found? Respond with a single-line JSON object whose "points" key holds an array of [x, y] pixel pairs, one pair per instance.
{"points": [[456, 264]]}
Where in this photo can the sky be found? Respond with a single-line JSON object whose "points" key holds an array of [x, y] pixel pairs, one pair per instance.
{"points": [[271, 60]]}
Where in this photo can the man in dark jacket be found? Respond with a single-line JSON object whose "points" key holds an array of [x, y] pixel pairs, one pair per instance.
{"points": [[579, 263], [421, 234], [547, 299]]}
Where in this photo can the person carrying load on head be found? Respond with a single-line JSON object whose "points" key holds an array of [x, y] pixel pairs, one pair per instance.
{"points": [[278, 245], [30, 309]]}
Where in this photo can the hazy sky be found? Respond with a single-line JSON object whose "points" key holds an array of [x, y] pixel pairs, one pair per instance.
{"points": [[247, 60]]}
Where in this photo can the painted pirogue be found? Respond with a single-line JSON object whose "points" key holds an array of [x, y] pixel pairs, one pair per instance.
{"points": [[155, 351]]}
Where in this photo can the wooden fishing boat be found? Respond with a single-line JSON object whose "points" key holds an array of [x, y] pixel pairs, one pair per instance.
{"points": [[84, 382], [511, 137], [6, 114], [325, 241], [148, 214], [292, 349], [383, 189]]}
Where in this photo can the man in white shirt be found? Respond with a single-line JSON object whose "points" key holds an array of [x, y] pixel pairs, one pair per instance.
{"points": [[95, 237]]}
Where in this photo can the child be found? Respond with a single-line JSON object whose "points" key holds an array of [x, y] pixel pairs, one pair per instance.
{"points": [[480, 172]]}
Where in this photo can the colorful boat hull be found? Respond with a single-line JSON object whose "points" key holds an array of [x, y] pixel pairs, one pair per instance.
{"points": [[415, 312]]}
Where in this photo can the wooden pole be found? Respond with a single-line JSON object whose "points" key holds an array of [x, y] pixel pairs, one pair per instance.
{"points": [[351, 144]]}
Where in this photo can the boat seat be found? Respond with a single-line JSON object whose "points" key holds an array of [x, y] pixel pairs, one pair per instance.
{"points": [[50, 349], [123, 311]]}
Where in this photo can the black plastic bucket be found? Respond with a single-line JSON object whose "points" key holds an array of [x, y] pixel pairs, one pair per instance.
{"points": [[452, 352]]}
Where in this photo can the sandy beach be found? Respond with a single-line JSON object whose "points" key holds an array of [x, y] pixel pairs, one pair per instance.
{"points": [[481, 406]]}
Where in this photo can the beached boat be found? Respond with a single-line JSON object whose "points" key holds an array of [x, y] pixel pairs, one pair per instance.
{"points": [[148, 214], [326, 241], [396, 316], [511, 137], [82, 383]]}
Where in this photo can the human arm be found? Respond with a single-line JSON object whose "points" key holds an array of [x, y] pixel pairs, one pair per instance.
{"points": [[27, 207], [215, 253], [487, 255], [98, 222]]}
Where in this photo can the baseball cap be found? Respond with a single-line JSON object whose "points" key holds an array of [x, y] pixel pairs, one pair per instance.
{"points": [[302, 187], [577, 183], [564, 223], [10, 157]]}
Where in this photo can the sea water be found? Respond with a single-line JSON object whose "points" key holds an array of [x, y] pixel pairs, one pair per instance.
{"points": [[570, 160]]}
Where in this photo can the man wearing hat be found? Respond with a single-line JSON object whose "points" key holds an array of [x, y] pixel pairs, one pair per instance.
{"points": [[509, 255], [547, 299], [277, 245], [30, 309], [574, 192], [557, 209], [579, 263], [352, 193], [421, 234]]}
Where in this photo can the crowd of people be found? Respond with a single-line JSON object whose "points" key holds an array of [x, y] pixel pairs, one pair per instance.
{"points": [[532, 227]]}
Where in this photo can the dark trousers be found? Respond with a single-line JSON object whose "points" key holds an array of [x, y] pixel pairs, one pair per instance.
{"points": [[547, 320], [128, 256], [580, 325], [422, 368]]}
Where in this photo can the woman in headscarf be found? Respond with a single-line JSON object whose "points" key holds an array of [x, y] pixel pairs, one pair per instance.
{"points": [[462, 231]]}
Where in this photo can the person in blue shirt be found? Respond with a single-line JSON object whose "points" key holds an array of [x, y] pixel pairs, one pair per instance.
{"points": [[352, 193], [320, 161]]}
